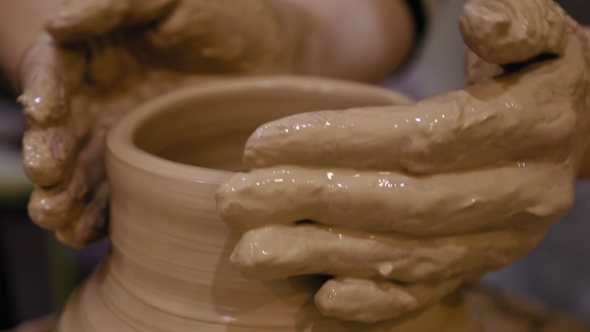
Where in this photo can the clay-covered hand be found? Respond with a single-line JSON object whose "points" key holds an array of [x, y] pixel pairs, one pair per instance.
{"points": [[99, 59], [403, 204]]}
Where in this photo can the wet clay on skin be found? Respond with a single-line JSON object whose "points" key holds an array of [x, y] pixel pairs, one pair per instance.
{"points": [[169, 266], [402, 204]]}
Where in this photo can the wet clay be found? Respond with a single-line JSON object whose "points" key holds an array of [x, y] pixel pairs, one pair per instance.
{"points": [[402, 204], [169, 266]]}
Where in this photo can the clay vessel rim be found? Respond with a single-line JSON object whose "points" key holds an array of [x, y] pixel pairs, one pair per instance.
{"points": [[120, 141]]}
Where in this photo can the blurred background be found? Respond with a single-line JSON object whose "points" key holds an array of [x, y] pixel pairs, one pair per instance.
{"points": [[37, 273]]}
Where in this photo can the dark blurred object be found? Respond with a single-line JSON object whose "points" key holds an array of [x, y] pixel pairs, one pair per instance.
{"points": [[14, 186], [11, 129], [578, 9], [6, 314], [6, 91], [25, 268], [12, 123]]}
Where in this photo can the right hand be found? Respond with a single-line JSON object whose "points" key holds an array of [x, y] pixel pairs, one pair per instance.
{"points": [[100, 58], [403, 204]]}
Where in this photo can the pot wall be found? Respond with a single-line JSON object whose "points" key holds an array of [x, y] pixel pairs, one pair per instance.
{"points": [[168, 269]]}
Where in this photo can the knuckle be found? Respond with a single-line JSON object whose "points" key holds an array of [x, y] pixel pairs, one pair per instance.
{"points": [[421, 157], [47, 212], [556, 194], [234, 202]]}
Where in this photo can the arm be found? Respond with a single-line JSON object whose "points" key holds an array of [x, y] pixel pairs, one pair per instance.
{"points": [[351, 39]]}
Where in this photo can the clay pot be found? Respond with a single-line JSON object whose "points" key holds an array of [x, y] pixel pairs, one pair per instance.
{"points": [[168, 268]]}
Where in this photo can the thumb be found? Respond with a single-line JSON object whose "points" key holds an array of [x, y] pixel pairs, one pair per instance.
{"points": [[504, 32]]}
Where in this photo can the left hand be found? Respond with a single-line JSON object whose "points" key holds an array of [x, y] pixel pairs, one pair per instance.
{"points": [[99, 59], [406, 203]]}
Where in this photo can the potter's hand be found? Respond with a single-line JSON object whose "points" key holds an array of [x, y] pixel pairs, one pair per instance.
{"points": [[405, 203], [102, 58]]}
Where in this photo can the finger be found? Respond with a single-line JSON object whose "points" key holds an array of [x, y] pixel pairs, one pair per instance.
{"points": [[277, 252], [92, 223], [78, 20], [372, 300], [528, 115], [56, 207], [503, 32], [47, 154], [111, 64], [50, 74], [384, 201]]}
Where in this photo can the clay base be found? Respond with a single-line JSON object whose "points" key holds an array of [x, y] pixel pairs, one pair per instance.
{"points": [[452, 313], [496, 312]]}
